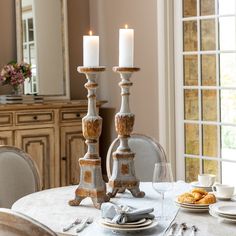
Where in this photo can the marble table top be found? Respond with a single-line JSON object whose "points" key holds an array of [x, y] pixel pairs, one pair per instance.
{"points": [[51, 208]]}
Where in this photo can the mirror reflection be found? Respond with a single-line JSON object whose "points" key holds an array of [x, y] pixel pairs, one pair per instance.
{"points": [[42, 29]]}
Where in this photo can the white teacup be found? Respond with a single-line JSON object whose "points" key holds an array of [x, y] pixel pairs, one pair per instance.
{"points": [[206, 180], [223, 190]]}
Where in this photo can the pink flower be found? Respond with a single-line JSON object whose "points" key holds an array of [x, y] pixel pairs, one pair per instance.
{"points": [[15, 74]]}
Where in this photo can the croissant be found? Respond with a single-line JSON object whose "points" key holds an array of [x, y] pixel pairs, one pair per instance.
{"points": [[208, 199], [186, 198]]}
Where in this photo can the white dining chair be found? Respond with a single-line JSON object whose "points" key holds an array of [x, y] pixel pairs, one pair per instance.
{"points": [[147, 153], [17, 224], [18, 175]]}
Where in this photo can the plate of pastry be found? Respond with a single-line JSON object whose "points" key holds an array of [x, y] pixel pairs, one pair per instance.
{"points": [[197, 200]]}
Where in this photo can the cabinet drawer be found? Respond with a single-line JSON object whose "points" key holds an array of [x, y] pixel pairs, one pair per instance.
{"points": [[72, 115], [34, 118], [6, 119]]}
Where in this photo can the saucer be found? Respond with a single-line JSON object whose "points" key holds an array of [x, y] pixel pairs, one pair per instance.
{"points": [[196, 184], [223, 198]]}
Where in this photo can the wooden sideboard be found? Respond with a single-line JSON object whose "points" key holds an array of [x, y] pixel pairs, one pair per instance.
{"points": [[51, 133]]}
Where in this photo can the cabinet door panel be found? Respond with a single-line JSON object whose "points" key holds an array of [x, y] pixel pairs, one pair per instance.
{"points": [[73, 147], [6, 138], [39, 143]]}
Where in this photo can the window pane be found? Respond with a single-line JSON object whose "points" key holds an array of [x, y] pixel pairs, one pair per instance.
{"points": [[209, 133], [211, 167], [191, 70], [24, 30], [31, 29], [191, 104], [192, 139], [228, 142], [227, 29], [209, 105], [192, 166], [25, 54], [32, 54], [228, 173], [208, 70], [190, 35], [189, 8], [228, 106], [226, 7], [208, 35], [228, 69], [207, 7]]}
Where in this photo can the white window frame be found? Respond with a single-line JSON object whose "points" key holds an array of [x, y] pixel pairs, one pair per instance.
{"points": [[179, 88]]}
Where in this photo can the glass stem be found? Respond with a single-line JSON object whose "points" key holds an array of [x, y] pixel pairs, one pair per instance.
{"points": [[162, 204]]}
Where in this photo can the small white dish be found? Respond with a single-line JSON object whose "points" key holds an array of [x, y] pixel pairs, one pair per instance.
{"points": [[196, 184]]}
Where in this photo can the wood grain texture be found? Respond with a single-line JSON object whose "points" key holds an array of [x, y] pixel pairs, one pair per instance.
{"points": [[51, 133]]}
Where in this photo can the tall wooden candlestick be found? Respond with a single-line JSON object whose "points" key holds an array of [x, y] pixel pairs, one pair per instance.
{"points": [[91, 181], [123, 172]]}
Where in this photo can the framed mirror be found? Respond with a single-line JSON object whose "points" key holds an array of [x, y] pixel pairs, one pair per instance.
{"points": [[42, 41]]}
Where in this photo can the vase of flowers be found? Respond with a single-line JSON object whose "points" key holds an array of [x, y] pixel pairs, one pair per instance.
{"points": [[14, 74]]}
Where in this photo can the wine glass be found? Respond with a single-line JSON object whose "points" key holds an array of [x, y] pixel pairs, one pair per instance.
{"points": [[162, 182]]}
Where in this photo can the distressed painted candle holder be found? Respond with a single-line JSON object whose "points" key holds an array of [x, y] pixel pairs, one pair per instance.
{"points": [[123, 171], [91, 181]]}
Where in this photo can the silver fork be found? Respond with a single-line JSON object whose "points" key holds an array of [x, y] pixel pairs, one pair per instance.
{"points": [[172, 229], [194, 229], [88, 220], [183, 228], [76, 222]]}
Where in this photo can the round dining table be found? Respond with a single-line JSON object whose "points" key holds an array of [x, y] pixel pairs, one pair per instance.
{"points": [[50, 207]]}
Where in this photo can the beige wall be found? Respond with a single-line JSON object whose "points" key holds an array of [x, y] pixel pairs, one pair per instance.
{"points": [[78, 25], [106, 17], [8, 29], [105, 20]]}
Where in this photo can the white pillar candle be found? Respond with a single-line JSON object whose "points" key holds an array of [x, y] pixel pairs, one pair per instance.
{"points": [[126, 47], [91, 50]]}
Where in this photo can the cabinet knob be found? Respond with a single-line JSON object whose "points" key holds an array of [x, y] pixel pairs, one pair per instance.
{"points": [[78, 114], [35, 117], [64, 158]]}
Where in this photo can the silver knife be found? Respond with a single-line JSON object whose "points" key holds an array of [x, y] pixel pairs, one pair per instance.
{"points": [[172, 229]]}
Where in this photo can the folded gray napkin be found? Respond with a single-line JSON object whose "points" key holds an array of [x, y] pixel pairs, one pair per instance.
{"points": [[124, 214]]}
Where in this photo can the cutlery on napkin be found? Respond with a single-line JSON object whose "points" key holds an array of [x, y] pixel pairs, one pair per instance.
{"points": [[123, 214]]}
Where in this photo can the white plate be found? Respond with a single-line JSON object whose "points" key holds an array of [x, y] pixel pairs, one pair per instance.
{"points": [[193, 209], [227, 208], [194, 206], [152, 225], [198, 185], [221, 217], [191, 204], [145, 223], [108, 221]]}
